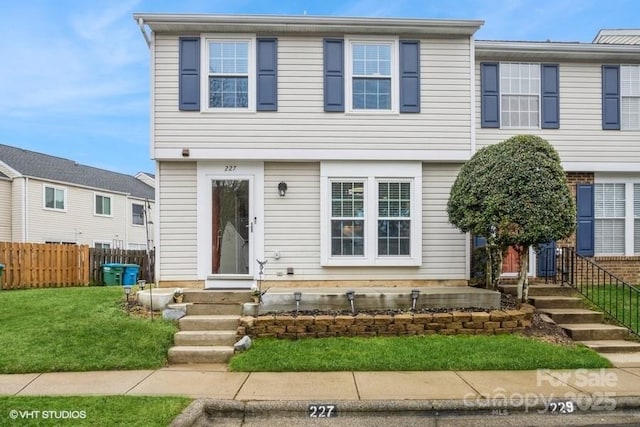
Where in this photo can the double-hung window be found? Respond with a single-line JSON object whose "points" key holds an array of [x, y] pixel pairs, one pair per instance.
{"points": [[520, 95], [55, 198], [369, 215], [609, 218], [102, 205], [372, 78], [137, 214], [636, 219], [229, 78], [630, 96]]}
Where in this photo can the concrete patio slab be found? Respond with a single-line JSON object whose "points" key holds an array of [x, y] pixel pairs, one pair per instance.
{"points": [[411, 385], [218, 385], [534, 383], [635, 371], [592, 381], [327, 386], [11, 384], [84, 383]]}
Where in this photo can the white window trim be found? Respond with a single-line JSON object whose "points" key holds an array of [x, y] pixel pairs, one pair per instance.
{"points": [[95, 205], [44, 197], [204, 75], [143, 216], [500, 93], [623, 125], [395, 65], [629, 217], [371, 173], [103, 242]]}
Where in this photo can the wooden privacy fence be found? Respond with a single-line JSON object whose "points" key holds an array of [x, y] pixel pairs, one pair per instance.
{"points": [[98, 257], [35, 265]]}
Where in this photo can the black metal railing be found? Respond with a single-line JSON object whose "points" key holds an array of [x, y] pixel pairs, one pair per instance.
{"points": [[609, 293]]}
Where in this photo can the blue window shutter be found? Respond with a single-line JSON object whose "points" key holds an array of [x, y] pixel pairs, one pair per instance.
{"points": [[409, 76], [490, 87], [585, 244], [479, 242], [550, 96], [334, 75], [267, 75], [610, 97], [546, 260], [189, 68]]}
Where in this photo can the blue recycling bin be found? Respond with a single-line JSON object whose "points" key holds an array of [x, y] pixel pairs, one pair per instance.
{"points": [[130, 275]]}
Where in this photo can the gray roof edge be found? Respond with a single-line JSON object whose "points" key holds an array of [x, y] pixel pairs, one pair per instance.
{"points": [[304, 23], [570, 50]]}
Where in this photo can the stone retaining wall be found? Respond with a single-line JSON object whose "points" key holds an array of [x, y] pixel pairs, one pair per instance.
{"points": [[367, 325]]}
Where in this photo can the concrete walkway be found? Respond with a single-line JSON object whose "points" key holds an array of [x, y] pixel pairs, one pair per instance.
{"points": [[215, 382]]}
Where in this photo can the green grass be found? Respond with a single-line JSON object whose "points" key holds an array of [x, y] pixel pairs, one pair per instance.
{"points": [[91, 410], [620, 303], [77, 329], [423, 353]]}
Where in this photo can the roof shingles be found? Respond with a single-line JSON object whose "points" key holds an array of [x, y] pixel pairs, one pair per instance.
{"points": [[44, 166]]}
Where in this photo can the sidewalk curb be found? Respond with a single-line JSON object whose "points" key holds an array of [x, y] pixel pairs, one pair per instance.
{"points": [[203, 409]]}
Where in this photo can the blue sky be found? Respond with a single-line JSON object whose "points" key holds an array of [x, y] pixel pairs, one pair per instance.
{"points": [[74, 75]]}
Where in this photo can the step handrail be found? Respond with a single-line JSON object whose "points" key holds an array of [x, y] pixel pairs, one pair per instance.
{"points": [[612, 295]]}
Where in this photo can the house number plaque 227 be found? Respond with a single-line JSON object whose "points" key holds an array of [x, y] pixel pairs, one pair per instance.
{"points": [[230, 168]]}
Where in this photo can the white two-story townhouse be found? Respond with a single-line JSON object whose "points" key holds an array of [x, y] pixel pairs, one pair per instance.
{"points": [[324, 146], [48, 199], [584, 98]]}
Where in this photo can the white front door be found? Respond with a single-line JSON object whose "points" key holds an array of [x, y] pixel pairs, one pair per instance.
{"points": [[229, 223]]}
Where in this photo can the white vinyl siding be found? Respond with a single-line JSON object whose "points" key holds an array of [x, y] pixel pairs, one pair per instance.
{"points": [[609, 218], [178, 216], [630, 96], [292, 229], [301, 130], [580, 141]]}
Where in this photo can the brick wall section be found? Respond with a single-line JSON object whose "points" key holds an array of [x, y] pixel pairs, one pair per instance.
{"points": [[626, 268], [369, 325]]}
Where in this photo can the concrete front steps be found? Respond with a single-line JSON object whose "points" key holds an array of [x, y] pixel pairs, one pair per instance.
{"points": [[563, 305], [208, 331]]}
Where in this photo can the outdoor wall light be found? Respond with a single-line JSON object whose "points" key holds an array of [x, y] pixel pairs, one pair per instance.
{"points": [[282, 188]]}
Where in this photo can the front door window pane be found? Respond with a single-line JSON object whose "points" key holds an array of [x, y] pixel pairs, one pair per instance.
{"points": [[231, 227]]}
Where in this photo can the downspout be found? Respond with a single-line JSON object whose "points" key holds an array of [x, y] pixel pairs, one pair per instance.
{"points": [[25, 220], [144, 33]]}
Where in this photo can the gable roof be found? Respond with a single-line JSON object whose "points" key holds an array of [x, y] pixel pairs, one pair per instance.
{"points": [[618, 36], [44, 166]]}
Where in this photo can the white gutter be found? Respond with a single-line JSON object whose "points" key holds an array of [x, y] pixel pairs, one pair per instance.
{"points": [[25, 221]]}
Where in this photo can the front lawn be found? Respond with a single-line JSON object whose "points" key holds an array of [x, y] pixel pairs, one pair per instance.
{"points": [[621, 303], [422, 353], [91, 410], [77, 329]]}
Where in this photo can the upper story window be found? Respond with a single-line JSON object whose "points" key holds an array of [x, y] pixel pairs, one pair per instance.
{"points": [[228, 73], [371, 76], [520, 95], [55, 198], [137, 214], [102, 205], [630, 96]]}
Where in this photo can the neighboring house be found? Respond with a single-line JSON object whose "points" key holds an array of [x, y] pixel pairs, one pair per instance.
{"points": [[327, 146], [585, 100], [55, 200]]}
